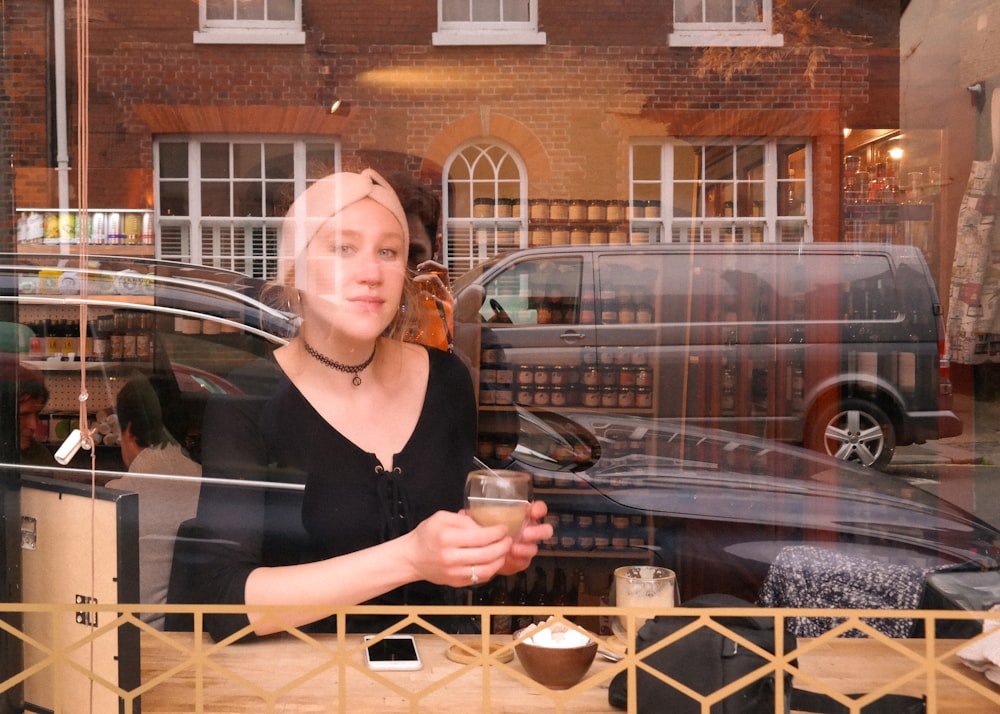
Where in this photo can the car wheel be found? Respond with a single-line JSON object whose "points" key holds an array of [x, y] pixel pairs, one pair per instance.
{"points": [[853, 430]]}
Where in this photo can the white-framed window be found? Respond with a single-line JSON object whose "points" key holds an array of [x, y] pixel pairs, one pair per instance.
{"points": [[488, 22], [220, 200], [274, 22], [723, 23], [722, 190], [485, 188]]}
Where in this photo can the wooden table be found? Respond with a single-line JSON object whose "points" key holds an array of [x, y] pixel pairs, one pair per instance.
{"points": [[286, 674]]}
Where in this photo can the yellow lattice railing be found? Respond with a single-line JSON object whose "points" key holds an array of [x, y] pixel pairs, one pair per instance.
{"points": [[96, 658]]}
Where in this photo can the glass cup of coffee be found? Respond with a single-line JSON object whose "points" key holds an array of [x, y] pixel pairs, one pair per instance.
{"points": [[646, 587], [498, 497]]}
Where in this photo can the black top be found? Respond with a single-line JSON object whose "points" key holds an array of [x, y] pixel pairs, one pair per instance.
{"points": [[349, 502]]}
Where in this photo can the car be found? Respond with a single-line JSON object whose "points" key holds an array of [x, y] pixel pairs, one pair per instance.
{"points": [[193, 331], [746, 516], [837, 346]]}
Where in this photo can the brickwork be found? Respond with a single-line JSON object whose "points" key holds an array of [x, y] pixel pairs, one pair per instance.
{"points": [[569, 108]]}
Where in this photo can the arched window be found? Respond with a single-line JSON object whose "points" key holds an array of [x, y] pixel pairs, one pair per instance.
{"points": [[485, 187]]}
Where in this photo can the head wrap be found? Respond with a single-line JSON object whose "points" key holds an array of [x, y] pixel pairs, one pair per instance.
{"points": [[325, 199]]}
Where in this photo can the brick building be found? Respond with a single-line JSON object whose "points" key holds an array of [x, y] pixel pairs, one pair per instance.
{"points": [[212, 121]]}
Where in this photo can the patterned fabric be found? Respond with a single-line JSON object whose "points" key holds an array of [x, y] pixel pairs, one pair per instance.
{"points": [[973, 317], [811, 577]]}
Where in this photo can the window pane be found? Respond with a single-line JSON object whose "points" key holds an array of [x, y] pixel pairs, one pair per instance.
{"points": [[219, 9], [749, 10], [685, 199], [687, 163], [486, 11], [279, 161], [516, 10], [215, 199], [719, 162], [646, 163], [246, 160], [278, 196], [281, 10], [455, 11], [750, 162], [215, 160], [687, 10], [173, 198], [250, 10], [718, 10], [321, 159], [173, 160], [247, 200]]}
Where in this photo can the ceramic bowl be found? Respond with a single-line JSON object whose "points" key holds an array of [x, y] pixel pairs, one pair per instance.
{"points": [[555, 667]]}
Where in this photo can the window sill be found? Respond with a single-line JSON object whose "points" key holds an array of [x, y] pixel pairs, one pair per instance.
{"points": [[249, 37], [446, 38], [724, 38]]}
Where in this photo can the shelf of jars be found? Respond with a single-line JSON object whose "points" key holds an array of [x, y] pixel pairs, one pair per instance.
{"points": [[575, 221], [121, 231], [877, 205]]}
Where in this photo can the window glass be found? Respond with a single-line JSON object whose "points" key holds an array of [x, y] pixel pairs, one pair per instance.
{"points": [[484, 184], [727, 188], [245, 188], [540, 292], [723, 275]]}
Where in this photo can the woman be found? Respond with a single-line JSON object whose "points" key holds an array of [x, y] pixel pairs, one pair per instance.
{"points": [[380, 432]]}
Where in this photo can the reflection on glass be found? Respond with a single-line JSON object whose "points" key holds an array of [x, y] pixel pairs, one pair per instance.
{"points": [[214, 160], [173, 160], [246, 160], [215, 199]]}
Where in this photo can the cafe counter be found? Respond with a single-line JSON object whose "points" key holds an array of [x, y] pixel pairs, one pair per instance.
{"points": [[292, 673]]}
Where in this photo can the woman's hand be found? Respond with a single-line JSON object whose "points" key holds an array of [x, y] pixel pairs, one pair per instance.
{"points": [[452, 549], [432, 277], [525, 548]]}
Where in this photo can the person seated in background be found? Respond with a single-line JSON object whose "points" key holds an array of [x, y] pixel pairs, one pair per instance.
{"points": [[164, 503], [32, 396], [435, 322]]}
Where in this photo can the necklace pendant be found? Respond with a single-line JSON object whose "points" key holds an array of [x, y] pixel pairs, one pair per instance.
{"points": [[356, 381]]}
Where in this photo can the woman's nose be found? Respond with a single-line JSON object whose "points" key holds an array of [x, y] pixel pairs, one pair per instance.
{"points": [[370, 271]]}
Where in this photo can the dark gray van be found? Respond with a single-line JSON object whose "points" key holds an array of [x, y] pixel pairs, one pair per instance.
{"points": [[839, 346]]}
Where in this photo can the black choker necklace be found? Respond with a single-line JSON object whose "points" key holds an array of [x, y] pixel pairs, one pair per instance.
{"points": [[340, 366]]}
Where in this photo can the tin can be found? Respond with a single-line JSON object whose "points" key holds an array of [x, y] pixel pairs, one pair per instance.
{"points": [[115, 234]]}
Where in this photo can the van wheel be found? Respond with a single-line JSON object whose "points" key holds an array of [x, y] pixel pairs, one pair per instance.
{"points": [[853, 430]]}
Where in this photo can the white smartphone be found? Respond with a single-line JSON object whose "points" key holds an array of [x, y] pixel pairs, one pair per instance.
{"points": [[392, 653]]}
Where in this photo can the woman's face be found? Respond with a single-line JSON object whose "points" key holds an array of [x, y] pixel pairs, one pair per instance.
{"points": [[356, 264]]}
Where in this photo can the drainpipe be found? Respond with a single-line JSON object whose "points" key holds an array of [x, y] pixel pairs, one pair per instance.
{"points": [[62, 151]]}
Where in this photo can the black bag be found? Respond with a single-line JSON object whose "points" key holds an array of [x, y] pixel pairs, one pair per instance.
{"points": [[705, 661]]}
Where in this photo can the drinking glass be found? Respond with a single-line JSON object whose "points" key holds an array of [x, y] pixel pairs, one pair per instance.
{"points": [[641, 586], [498, 498]]}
